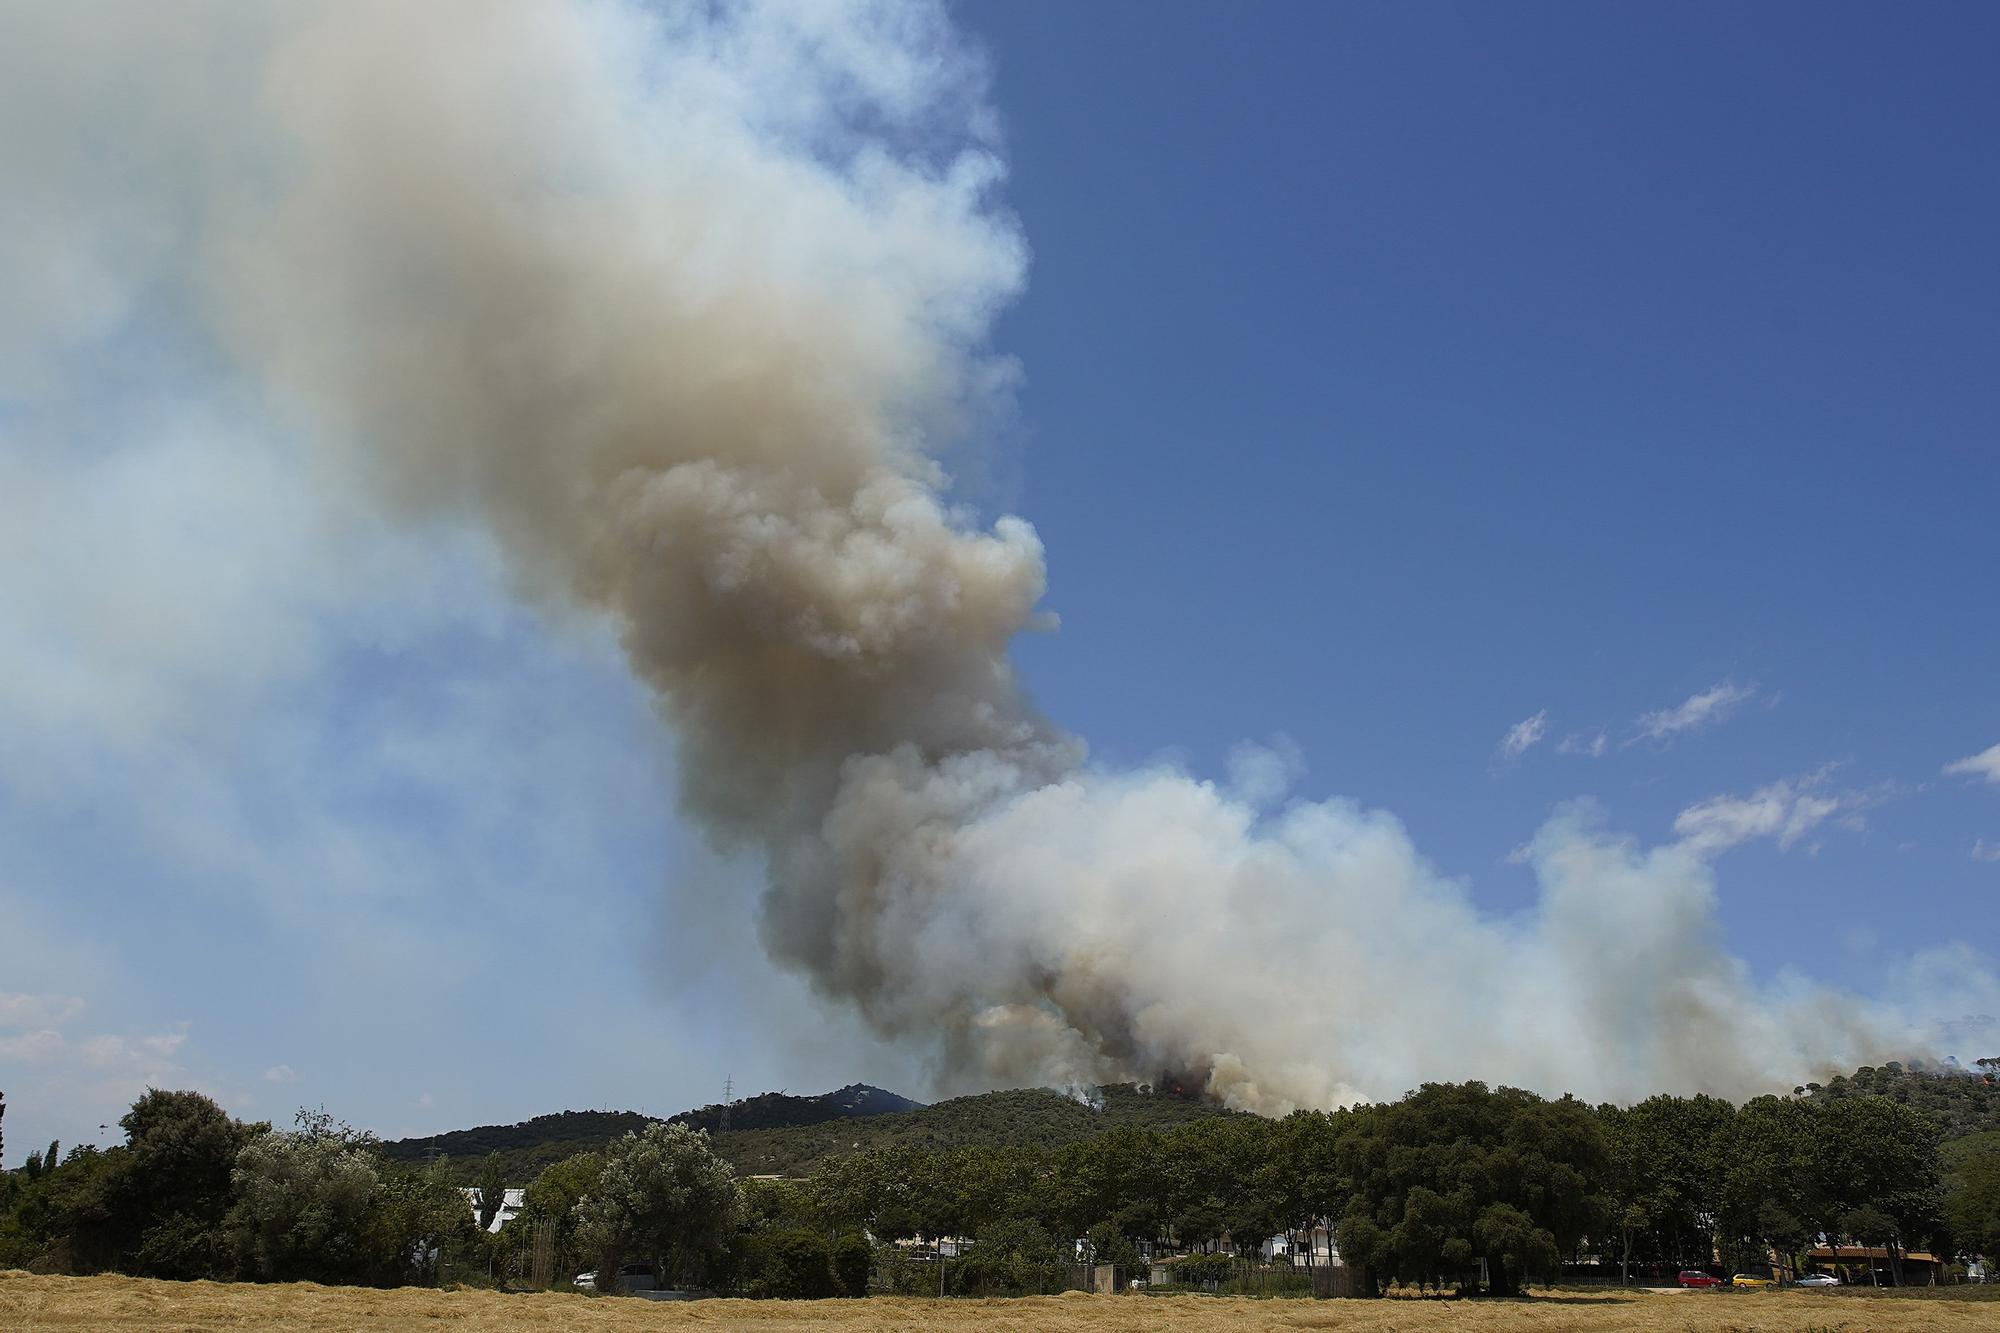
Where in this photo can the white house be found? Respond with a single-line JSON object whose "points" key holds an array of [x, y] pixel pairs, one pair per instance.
{"points": [[1314, 1247], [511, 1203]]}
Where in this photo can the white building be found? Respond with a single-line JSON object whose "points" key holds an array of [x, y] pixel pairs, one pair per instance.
{"points": [[511, 1203]]}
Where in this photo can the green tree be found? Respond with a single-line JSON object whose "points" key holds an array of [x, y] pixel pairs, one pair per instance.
{"points": [[787, 1263], [664, 1196], [76, 1217], [1972, 1204], [492, 1190], [1213, 1183], [174, 1186], [853, 1263], [1513, 1247], [1020, 1255], [1767, 1177], [1880, 1153], [302, 1202], [552, 1198], [1455, 1173], [1302, 1177], [1673, 1150], [417, 1220], [1869, 1226]]}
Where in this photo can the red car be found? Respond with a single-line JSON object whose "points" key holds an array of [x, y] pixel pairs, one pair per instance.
{"points": [[1694, 1277]]}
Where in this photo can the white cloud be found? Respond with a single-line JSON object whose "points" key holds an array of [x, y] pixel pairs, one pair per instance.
{"points": [[1787, 811], [111, 1051], [281, 1074], [1524, 735], [1592, 744], [57, 1083], [37, 1047], [1700, 711], [27, 1011], [1983, 850], [1985, 764]]}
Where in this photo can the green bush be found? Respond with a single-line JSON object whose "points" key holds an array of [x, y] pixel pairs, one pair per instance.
{"points": [[1279, 1281], [789, 1263], [1197, 1270], [853, 1260]]}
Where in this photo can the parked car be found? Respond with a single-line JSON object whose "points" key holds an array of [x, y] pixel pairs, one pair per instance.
{"points": [[1818, 1280], [1750, 1280], [631, 1278], [1694, 1277]]}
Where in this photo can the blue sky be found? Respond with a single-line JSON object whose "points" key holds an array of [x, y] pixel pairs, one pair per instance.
{"points": [[1396, 373], [1394, 380]]}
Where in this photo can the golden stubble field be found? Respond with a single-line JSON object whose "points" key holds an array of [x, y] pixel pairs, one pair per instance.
{"points": [[32, 1302]]}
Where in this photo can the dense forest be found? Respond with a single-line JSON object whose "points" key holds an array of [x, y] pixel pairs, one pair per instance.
{"points": [[767, 1143], [533, 1144], [1961, 1101], [1455, 1185]]}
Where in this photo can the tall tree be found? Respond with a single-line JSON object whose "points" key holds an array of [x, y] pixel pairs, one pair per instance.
{"points": [[175, 1186], [664, 1196], [552, 1198], [492, 1190], [1455, 1173], [302, 1202], [1972, 1203]]}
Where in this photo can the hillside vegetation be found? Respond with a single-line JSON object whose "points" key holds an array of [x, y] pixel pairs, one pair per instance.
{"points": [[1961, 1102], [1017, 1118], [525, 1149], [777, 1135], [1453, 1187], [776, 1110], [782, 1135]]}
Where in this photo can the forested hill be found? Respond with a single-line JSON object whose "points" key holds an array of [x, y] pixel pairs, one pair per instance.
{"points": [[541, 1141], [779, 1134], [1021, 1117], [854, 1119], [1962, 1102], [533, 1144], [776, 1110]]}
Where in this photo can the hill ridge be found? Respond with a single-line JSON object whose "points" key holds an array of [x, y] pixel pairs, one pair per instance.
{"points": [[856, 1118]]}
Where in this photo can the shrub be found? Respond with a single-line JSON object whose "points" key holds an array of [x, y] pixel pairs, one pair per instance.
{"points": [[789, 1263], [853, 1259]]}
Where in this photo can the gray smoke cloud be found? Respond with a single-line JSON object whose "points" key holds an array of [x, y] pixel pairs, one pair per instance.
{"points": [[684, 306]]}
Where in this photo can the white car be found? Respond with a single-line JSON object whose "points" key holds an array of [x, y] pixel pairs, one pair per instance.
{"points": [[633, 1279], [1817, 1280]]}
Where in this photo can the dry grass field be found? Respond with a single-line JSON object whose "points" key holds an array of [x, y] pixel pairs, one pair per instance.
{"points": [[34, 1303]]}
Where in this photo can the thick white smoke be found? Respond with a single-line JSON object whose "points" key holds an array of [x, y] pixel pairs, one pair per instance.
{"points": [[682, 305]]}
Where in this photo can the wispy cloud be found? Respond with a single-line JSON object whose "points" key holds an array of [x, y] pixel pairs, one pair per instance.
{"points": [[1786, 810], [34, 1011], [72, 1078], [1983, 850], [1592, 744], [1985, 764], [1698, 712], [1524, 735], [281, 1074]]}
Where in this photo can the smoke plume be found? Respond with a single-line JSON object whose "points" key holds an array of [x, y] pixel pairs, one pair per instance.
{"points": [[686, 306]]}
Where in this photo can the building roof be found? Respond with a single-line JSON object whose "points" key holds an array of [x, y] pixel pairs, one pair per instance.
{"points": [[1858, 1252]]}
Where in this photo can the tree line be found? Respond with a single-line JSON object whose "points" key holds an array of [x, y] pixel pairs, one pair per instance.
{"points": [[1455, 1185]]}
